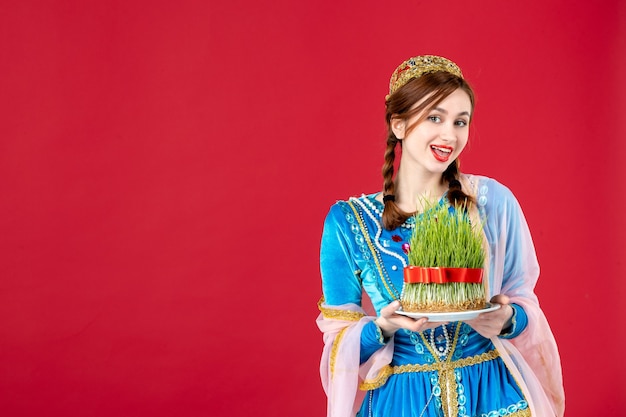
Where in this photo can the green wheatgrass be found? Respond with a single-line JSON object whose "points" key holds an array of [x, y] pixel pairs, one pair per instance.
{"points": [[445, 239]]}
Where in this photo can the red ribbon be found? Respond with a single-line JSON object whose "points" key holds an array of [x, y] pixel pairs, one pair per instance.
{"points": [[419, 274]]}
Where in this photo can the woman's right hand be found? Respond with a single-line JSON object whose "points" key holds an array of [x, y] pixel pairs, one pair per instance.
{"points": [[390, 322]]}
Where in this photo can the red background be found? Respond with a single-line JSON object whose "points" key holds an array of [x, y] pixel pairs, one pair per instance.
{"points": [[165, 168]]}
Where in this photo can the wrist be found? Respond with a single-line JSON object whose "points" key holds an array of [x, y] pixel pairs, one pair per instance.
{"points": [[387, 333], [509, 321], [519, 322]]}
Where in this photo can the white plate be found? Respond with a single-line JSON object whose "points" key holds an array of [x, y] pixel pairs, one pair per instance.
{"points": [[452, 315]]}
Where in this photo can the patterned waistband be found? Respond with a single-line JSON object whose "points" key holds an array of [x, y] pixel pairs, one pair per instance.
{"points": [[388, 370]]}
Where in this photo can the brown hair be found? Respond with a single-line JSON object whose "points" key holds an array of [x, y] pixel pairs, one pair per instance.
{"points": [[435, 86]]}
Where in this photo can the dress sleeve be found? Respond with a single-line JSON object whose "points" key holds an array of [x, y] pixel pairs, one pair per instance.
{"points": [[519, 321], [341, 281]]}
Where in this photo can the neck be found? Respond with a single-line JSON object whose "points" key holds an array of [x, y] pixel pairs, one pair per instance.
{"points": [[412, 191]]}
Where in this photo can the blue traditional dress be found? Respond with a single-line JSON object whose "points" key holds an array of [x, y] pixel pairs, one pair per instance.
{"points": [[447, 371]]}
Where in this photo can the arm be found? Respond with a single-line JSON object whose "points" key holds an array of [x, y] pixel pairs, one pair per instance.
{"points": [[341, 282], [514, 264]]}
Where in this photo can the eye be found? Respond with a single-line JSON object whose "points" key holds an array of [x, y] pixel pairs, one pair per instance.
{"points": [[461, 123], [434, 119]]}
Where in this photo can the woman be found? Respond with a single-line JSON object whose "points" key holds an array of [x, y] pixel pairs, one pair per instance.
{"points": [[502, 363]]}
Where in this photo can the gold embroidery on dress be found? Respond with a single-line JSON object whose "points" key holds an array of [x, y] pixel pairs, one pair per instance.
{"points": [[521, 413], [461, 363], [513, 325], [384, 373], [387, 371], [338, 314], [373, 250], [447, 380], [335, 349]]}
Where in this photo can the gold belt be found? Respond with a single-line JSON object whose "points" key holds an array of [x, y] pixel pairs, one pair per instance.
{"points": [[442, 367]]}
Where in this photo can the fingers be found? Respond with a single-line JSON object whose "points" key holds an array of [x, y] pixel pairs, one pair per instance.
{"points": [[483, 327], [390, 309], [415, 325], [432, 325], [500, 299], [490, 324], [390, 322]]}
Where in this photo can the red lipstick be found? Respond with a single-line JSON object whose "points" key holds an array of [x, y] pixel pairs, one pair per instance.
{"points": [[441, 152]]}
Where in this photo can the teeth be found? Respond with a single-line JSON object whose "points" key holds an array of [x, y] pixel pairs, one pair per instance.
{"points": [[441, 149]]}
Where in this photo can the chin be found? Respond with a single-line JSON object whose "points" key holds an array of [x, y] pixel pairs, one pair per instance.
{"points": [[440, 168]]}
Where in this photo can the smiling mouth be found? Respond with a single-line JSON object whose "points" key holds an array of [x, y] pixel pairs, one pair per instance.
{"points": [[441, 153]]}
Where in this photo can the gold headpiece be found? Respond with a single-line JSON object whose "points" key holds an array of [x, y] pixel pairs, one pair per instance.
{"points": [[418, 66]]}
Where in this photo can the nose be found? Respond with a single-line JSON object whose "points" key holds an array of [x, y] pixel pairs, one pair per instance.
{"points": [[447, 132]]}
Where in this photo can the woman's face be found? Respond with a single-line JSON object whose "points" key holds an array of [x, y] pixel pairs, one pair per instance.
{"points": [[432, 145]]}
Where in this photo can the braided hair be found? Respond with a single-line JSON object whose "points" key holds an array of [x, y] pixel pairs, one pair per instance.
{"points": [[435, 86]]}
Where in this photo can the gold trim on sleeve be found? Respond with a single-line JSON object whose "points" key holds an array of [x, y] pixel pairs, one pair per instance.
{"points": [[384, 373], [338, 314], [335, 349]]}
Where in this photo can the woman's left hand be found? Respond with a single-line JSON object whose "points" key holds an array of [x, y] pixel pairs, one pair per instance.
{"points": [[491, 324]]}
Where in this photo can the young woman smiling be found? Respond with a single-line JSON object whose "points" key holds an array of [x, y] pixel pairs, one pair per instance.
{"points": [[501, 363]]}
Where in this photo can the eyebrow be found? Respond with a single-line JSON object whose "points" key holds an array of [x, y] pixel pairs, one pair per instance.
{"points": [[439, 109]]}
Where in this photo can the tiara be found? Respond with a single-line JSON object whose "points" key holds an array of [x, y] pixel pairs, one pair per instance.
{"points": [[418, 66]]}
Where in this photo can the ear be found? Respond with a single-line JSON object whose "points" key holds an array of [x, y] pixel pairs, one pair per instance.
{"points": [[398, 127]]}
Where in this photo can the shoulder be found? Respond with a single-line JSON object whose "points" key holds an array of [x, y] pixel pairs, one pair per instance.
{"points": [[363, 202], [489, 190], [365, 206], [494, 199]]}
